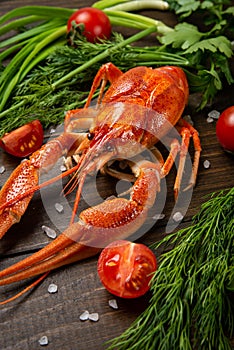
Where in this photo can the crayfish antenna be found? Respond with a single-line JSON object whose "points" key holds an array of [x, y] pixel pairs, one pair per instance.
{"points": [[25, 290], [77, 199]]}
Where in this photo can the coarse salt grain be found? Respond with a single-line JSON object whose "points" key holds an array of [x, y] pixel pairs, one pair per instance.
{"points": [[214, 114], [2, 169], [63, 168], [49, 231], [177, 216], [94, 317], [209, 120], [53, 288], [59, 207], [43, 340], [52, 131], [113, 304], [84, 316], [206, 164], [158, 216]]}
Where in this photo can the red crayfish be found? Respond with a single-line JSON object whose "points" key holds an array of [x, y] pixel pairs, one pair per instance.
{"points": [[118, 129]]}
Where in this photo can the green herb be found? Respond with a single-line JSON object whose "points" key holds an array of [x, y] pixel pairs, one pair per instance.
{"points": [[209, 52], [41, 39], [52, 89], [191, 305], [212, 11], [26, 93]]}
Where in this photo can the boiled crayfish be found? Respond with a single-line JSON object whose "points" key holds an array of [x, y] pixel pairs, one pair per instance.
{"points": [[117, 128]]}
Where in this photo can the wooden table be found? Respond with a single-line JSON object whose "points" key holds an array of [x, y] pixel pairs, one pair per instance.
{"points": [[39, 313]]}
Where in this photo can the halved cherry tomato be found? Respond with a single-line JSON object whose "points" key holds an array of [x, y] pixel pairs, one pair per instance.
{"points": [[125, 268], [225, 129], [23, 141], [95, 22]]}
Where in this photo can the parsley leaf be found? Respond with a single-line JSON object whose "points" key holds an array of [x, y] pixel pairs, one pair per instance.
{"points": [[220, 43], [188, 38], [187, 7], [183, 36]]}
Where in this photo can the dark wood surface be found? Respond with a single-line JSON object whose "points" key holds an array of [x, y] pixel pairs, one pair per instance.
{"points": [[25, 321]]}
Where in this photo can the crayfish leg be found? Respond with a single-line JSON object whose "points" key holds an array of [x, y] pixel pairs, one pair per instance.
{"points": [[187, 131], [107, 73]]}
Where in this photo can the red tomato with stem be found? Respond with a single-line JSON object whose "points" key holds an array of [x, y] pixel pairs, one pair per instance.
{"points": [[125, 268], [23, 141], [96, 24], [225, 129]]}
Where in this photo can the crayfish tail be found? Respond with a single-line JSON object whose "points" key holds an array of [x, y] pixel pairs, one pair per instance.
{"points": [[59, 243], [73, 253], [63, 250]]}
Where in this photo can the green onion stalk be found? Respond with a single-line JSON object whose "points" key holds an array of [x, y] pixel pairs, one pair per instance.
{"points": [[193, 289], [35, 44]]}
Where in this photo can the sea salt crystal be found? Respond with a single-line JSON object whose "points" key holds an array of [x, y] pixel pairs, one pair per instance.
{"points": [[206, 164], [214, 114], [177, 216], [84, 316], [52, 131], [2, 169], [63, 168], [113, 304], [49, 231], [209, 120], [53, 288], [158, 216], [59, 207], [43, 340], [94, 317]]}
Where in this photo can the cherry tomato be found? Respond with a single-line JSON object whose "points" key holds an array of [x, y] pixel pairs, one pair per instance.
{"points": [[125, 268], [23, 141], [225, 129], [96, 23]]}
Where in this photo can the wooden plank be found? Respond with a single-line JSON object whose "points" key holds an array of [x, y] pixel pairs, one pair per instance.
{"points": [[39, 313]]}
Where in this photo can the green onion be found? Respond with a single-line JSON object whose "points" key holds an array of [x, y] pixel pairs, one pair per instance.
{"points": [[33, 32], [25, 60], [135, 20], [103, 4], [42, 11], [138, 5], [19, 23]]}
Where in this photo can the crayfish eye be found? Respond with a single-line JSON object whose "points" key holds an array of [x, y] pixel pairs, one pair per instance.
{"points": [[90, 136]]}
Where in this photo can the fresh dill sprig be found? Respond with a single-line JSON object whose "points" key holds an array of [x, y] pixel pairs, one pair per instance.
{"points": [[191, 305]]}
